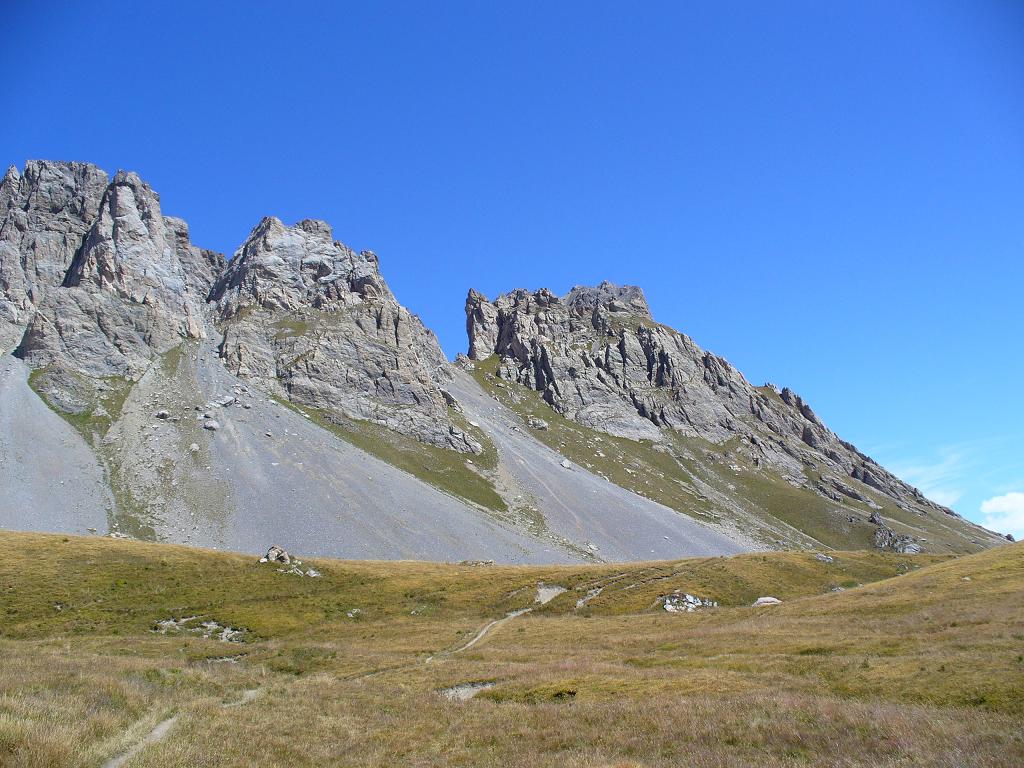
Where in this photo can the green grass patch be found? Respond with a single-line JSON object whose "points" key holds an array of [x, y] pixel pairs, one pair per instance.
{"points": [[444, 469], [98, 402]]}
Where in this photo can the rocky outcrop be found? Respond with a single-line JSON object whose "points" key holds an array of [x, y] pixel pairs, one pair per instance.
{"points": [[887, 538], [683, 602], [134, 288], [316, 321], [45, 213], [276, 554], [598, 357]]}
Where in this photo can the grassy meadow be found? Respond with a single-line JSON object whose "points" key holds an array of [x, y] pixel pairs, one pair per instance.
{"points": [[872, 659]]}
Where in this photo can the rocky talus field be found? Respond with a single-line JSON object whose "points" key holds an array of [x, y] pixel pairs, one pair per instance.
{"points": [[158, 390]]}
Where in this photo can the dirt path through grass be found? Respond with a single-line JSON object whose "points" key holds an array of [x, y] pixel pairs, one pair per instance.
{"points": [[481, 633], [159, 731], [545, 594]]}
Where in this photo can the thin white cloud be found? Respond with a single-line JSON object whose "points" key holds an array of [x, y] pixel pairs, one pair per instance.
{"points": [[947, 497], [963, 473], [940, 480], [1005, 513]]}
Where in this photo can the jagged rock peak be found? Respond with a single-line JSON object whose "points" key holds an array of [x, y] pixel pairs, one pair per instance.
{"points": [[44, 214], [597, 357], [287, 268], [128, 240], [580, 299], [9, 186], [317, 227], [123, 282], [597, 306], [315, 321], [609, 296], [47, 188]]}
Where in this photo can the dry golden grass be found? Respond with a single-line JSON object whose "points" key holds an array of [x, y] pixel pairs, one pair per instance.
{"points": [[331, 723], [925, 668], [76, 702]]}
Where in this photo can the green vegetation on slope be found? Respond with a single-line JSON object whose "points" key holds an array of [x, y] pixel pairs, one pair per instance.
{"points": [[444, 469], [91, 406], [680, 479], [631, 464]]}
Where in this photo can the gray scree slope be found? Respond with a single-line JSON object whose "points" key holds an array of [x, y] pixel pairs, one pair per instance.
{"points": [[304, 486], [50, 480], [582, 507]]}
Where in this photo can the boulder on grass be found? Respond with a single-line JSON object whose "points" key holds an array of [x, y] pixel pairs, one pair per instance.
{"points": [[276, 555]]}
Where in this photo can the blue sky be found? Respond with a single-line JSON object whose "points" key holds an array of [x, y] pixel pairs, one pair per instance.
{"points": [[830, 195]]}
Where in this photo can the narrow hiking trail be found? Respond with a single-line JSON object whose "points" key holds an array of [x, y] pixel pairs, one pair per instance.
{"points": [[545, 594], [481, 633], [159, 731], [162, 728]]}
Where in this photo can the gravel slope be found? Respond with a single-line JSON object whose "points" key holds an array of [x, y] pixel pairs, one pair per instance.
{"points": [[304, 488], [315, 494], [581, 506], [49, 478]]}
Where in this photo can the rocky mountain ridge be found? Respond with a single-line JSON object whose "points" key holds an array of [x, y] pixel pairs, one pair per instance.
{"points": [[598, 357], [287, 394], [97, 281], [135, 288], [315, 320], [45, 213]]}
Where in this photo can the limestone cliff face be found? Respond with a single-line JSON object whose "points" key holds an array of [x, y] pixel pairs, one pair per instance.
{"points": [[135, 288], [45, 213], [305, 314], [598, 357]]}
